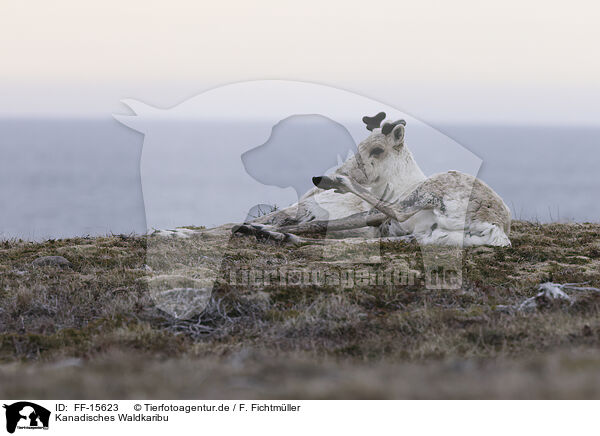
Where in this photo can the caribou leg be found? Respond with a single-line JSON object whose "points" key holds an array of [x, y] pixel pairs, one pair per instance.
{"points": [[264, 233], [286, 234], [356, 221], [398, 211]]}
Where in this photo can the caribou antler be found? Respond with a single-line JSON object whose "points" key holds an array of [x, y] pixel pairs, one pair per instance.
{"points": [[374, 122], [388, 127]]}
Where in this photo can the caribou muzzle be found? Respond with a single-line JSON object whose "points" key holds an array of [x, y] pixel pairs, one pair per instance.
{"points": [[324, 182]]}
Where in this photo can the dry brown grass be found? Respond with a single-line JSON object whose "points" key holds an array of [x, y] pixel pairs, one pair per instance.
{"points": [[93, 331]]}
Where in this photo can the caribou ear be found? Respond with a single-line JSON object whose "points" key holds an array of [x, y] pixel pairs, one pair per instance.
{"points": [[398, 134], [374, 122], [388, 127]]}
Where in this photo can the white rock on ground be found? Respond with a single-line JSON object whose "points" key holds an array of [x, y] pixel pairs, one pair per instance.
{"points": [[175, 233], [550, 291]]}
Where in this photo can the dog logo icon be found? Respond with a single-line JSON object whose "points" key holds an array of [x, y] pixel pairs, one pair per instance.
{"points": [[26, 415]]}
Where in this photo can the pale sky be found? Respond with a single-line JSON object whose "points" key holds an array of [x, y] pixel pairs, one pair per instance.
{"points": [[521, 61]]}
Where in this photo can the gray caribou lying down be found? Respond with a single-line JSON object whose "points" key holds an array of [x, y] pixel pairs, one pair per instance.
{"points": [[381, 191]]}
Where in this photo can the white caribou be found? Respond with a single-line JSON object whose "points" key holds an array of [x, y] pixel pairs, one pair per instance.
{"points": [[382, 191]]}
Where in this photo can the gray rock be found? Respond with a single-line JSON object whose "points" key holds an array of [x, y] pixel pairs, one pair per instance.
{"points": [[58, 261]]}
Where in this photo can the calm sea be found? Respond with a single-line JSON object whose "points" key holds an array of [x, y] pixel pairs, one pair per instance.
{"points": [[61, 178]]}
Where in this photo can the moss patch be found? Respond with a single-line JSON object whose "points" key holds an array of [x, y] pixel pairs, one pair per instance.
{"points": [[103, 305]]}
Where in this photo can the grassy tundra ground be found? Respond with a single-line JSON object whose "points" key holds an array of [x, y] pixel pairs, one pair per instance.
{"points": [[92, 330]]}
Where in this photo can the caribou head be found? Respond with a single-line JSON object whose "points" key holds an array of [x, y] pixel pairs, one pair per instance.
{"points": [[381, 159]]}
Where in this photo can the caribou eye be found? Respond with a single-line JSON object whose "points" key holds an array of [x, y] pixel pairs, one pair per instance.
{"points": [[376, 151]]}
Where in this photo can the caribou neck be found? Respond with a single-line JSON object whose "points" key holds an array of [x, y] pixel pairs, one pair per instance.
{"points": [[402, 178]]}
